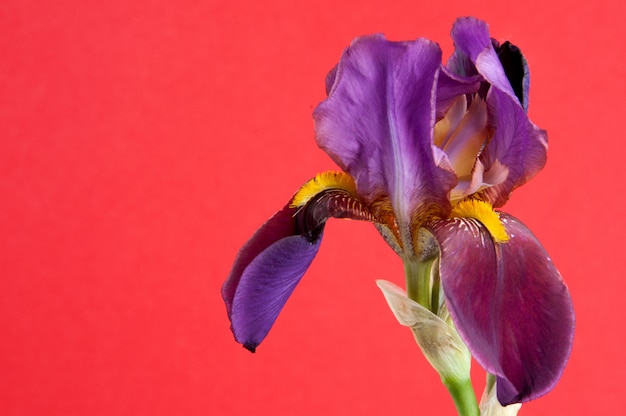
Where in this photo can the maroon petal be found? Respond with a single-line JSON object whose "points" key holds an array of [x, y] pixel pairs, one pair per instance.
{"points": [[509, 304]]}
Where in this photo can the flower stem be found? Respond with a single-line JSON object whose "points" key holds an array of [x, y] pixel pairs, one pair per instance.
{"points": [[462, 393], [417, 274], [423, 287]]}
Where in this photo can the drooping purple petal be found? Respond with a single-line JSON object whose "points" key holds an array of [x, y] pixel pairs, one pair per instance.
{"points": [[270, 265], [265, 273], [508, 302], [516, 143], [281, 225], [377, 124], [265, 286]]}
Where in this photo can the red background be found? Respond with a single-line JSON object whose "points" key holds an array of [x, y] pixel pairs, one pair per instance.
{"points": [[143, 143]]}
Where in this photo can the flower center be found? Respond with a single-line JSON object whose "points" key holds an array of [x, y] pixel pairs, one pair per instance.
{"points": [[462, 135]]}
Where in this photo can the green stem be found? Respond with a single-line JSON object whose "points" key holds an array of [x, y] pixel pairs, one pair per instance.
{"points": [[417, 274], [462, 393]]}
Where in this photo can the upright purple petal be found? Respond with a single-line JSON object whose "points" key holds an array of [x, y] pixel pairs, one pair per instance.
{"points": [[516, 143], [508, 302], [377, 124]]}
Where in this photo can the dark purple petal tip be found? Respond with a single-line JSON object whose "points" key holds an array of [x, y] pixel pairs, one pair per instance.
{"points": [[509, 303]]}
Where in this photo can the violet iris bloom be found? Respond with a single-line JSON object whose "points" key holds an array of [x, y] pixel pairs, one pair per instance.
{"points": [[427, 152]]}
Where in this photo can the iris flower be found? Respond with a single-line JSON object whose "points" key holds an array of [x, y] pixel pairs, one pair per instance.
{"points": [[427, 153]]}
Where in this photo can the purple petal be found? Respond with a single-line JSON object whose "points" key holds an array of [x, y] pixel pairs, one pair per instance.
{"points": [[509, 304], [281, 225], [378, 121]]}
